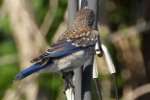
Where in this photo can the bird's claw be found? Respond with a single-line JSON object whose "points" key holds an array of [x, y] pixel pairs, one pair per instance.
{"points": [[67, 76]]}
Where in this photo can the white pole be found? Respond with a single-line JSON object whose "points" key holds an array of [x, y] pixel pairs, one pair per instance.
{"points": [[95, 70], [70, 94], [108, 59]]}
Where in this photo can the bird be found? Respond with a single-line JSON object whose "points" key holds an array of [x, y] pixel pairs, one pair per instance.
{"points": [[73, 49]]}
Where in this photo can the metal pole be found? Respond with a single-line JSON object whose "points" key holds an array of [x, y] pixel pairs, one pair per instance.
{"points": [[87, 70], [93, 4], [72, 9], [86, 82], [96, 80], [111, 68]]}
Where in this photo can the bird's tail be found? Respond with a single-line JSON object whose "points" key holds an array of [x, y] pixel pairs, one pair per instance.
{"points": [[32, 69]]}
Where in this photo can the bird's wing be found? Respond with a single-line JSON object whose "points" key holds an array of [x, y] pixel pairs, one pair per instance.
{"points": [[61, 48], [69, 44], [58, 50]]}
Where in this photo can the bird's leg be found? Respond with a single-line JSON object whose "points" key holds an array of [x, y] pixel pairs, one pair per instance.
{"points": [[67, 76]]}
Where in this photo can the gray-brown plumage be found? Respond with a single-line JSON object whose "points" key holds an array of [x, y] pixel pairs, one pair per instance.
{"points": [[73, 49], [81, 33]]}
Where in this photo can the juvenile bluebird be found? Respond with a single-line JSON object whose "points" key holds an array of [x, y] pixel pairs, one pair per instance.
{"points": [[73, 49]]}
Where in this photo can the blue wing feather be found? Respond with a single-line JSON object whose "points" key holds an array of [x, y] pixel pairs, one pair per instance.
{"points": [[61, 49], [32, 69], [57, 51], [64, 50]]}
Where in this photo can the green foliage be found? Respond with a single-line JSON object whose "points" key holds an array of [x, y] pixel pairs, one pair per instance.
{"points": [[121, 15], [1, 2], [5, 25], [40, 9], [59, 15], [7, 73], [7, 47], [123, 12], [50, 85]]}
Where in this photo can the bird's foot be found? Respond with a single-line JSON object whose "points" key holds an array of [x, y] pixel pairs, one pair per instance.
{"points": [[67, 76]]}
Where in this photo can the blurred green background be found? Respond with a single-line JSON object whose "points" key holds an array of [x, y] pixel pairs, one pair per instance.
{"points": [[9, 64], [124, 28]]}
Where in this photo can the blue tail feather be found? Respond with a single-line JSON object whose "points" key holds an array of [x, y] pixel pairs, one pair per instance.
{"points": [[30, 70]]}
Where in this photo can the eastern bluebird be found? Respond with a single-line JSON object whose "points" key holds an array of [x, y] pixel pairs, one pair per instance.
{"points": [[73, 49]]}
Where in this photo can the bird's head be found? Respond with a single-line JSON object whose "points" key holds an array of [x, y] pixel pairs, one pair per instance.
{"points": [[85, 17]]}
